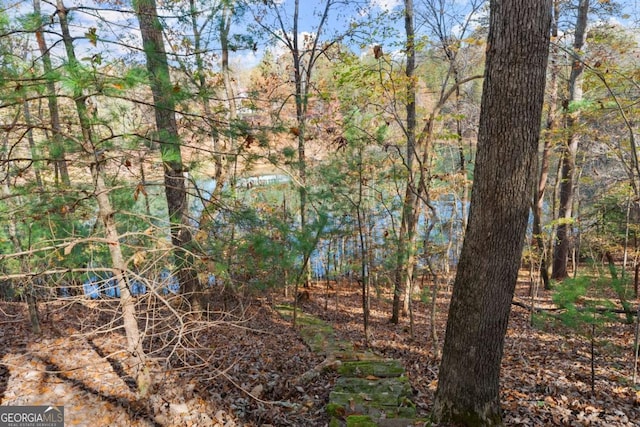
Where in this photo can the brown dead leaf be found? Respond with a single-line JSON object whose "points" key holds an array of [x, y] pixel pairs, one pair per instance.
{"points": [[69, 248]]}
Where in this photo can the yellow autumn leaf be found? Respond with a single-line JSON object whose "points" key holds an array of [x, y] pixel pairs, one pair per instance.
{"points": [[138, 258]]}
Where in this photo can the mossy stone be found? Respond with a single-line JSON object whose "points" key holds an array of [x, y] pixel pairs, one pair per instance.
{"points": [[334, 409], [377, 368], [398, 385], [360, 421], [371, 390]]}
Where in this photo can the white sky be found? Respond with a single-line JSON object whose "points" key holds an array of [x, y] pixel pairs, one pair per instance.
{"points": [[386, 5]]}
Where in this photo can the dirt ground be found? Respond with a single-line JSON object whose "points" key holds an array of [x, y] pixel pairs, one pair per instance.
{"points": [[241, 366]]}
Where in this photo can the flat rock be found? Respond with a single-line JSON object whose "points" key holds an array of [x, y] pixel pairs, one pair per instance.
{"points": [[377, 368]]}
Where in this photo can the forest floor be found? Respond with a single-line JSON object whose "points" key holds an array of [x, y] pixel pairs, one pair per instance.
{"points": [[247, 366]]}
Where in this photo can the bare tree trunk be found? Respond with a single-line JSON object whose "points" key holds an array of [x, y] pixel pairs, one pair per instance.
{"points": [[512, 100], [34, 316], [37, 164], [404, 255], [106, 215], [406, 240], [143, 179], [551, 126], [231, 147], [433, 317], [225, 150], [167, 134], [301, 82], [364, 271], [567, 182], [57, 147], [462, 158]]}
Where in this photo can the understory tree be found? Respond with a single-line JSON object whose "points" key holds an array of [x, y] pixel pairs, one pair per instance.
{"points": [[568, 176]]}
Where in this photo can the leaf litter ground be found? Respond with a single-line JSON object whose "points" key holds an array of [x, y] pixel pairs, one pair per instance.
{"points": [[244, 365]]}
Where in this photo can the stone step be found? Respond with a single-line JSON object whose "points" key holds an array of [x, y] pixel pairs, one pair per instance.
{"points": [[371, 390], [383, 397], [365, 368], [367, 421]]}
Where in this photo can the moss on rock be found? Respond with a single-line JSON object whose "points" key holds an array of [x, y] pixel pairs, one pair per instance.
{"points": [[378, 368], [360, 421]]}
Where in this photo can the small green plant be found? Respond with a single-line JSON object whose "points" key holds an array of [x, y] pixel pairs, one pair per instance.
{"points": [[586, 306]]}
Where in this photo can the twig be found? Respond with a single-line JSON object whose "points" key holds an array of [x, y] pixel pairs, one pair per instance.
{"points": [[580, 309], [636, 348]]}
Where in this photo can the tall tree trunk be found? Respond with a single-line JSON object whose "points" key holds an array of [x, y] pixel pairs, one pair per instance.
{"points": [[364, 270], [106, 215], [35, 157], [231, 149], [301, 81], [551, 127], [223, 160], [167, 136], [511, 109], [462, 160], [408, 222], [57, 149], [567, 181]]}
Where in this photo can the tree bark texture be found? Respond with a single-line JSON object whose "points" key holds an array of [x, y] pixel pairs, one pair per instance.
{"points": [[551, 128], [301, 81], [406, 239], [106, 216], [167, 135], [57, 145], [567, 180], [224, 147], [510, 118]]}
